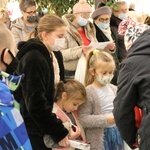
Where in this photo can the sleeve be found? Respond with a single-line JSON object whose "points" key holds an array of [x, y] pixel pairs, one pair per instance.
{"points": [[35, 96], [124, 104], [86, 113], [15, 34]]}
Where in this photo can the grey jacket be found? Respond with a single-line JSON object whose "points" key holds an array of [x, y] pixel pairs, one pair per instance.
{"points": [[19, 30], [72, 50], [91, 118]]}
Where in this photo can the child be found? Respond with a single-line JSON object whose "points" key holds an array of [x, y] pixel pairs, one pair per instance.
{"points": [[96, 114], [69, 96]]}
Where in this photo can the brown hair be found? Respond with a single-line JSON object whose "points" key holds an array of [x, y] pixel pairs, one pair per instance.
{"points": [[24, 4], [47, 23], [73, 88], [93, 58]]}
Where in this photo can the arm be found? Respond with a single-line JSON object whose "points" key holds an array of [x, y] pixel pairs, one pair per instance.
{"points": [[35, 92], [89, 115], [124, 105]]}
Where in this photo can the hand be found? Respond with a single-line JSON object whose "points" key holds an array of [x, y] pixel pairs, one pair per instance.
{"points": [[111, 46], [110, 118], [64, 142], [86, 49], [74, 132]]}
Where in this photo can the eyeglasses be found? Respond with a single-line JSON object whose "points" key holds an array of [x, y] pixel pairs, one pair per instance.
{"points": [[104, 20], [85, 15], [31, 12]]}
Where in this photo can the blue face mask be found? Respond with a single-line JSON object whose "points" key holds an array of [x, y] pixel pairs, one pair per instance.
{"points": [[103, 26], [82, 21], [123, 16]]}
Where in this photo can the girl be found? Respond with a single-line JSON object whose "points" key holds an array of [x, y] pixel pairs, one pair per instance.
{"points": [[69, 96], [96, 114], [37, 57]]}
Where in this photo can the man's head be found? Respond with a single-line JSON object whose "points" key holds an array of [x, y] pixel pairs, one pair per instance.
{"points": [[121, 11]]}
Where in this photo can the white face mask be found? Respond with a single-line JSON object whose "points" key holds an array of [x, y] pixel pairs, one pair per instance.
{"points": [[105, 79], [123, 16], [82, 22], [58, 44]]}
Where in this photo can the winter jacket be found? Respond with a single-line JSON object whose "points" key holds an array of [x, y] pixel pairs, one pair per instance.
{"points": [[72, 50], [133, 90], [37, 90], [19, 30], [114, 23], [92, 119]]}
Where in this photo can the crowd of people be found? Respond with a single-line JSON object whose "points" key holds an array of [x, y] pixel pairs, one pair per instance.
{"points": [[68, 78]]}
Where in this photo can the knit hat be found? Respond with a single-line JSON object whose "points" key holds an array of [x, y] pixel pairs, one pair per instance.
{"points": [[82, 6], [131, 30], [101, 11]]}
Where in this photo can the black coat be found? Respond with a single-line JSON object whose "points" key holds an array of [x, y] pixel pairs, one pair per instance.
{"points": [[114, 23], [134, 90], [37, 93], [101, 37]]}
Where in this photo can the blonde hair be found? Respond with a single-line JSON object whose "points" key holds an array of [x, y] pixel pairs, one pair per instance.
{"points": [[47, 23], [93, 58], [3, 13], [6, 39], [73, 88]]}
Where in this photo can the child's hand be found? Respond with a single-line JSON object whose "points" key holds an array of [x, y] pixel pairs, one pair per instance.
{"points": [[86, 49], [74, 132], [110, 118], [111, 46], [64, 142]]}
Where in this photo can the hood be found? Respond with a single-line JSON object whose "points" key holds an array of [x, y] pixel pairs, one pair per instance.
{"points": [[32, 44], [8, 84], [18, 23], [141, 46]]}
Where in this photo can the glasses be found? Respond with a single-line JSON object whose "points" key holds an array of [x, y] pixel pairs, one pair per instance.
{"points": [[31, 12], [85, 15], [104, 20]]}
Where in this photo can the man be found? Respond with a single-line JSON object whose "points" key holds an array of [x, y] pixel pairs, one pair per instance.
{"points": [[118, 14]]}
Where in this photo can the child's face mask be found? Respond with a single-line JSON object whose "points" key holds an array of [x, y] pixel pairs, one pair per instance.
{"points": [[105, 79]]}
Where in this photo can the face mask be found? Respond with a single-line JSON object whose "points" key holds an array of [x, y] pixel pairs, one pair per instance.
{"points": [[32, 19], [123, 16], [105, 79], [82, 21], [103, 25], [58, 44], [10, 68]]}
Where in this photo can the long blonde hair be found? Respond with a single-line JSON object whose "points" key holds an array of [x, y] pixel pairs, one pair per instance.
{"points": [[93, 62], [47, 23]]}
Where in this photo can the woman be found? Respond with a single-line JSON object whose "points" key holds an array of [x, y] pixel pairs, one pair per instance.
{"points": [[80, 34], [27, 23], [104, 33], [37, 95]]}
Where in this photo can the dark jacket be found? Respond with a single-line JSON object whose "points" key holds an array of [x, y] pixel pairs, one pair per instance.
{"points": [[114, 23], [101, 37], [37, 94], [134, 90]]}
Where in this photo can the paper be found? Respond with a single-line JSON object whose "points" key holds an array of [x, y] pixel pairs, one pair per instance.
{"points": [[79, 145], [99, 45]]}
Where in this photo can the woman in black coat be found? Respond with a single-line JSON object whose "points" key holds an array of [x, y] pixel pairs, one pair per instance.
{"points": [[37, 90]]}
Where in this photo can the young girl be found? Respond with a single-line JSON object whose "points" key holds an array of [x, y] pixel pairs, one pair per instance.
{"points": [[69, 96], [96, 114]]}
